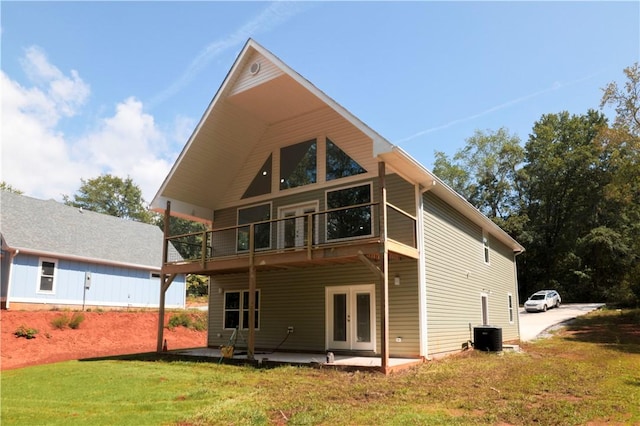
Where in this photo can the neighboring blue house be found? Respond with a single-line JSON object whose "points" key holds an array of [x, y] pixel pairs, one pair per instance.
{"points": [[55, 255]]}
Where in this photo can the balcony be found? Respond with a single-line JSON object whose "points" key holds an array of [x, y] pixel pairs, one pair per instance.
{"points": [[329, 237]]}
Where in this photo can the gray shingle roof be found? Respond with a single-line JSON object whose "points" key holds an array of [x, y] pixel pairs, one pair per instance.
{"points": [[47, 226]]}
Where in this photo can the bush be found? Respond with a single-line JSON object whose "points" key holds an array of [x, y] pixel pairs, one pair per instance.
{"points": [[194, 321], [28, 333], [76, 320], [60, 322], [63, 321]]}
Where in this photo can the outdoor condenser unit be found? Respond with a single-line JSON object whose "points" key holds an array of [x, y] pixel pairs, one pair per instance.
{"points": [[487, 338]]}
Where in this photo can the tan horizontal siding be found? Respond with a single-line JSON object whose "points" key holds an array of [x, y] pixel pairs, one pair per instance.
{"points": [[456, 275], [297, 298], [246, 80]]}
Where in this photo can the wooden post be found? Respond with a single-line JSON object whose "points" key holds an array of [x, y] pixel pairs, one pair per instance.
{"points": [[163, 276], [252, 295], [384, 269]]}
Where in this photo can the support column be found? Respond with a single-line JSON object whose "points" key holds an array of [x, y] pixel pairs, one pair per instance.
{"points": [[163, 277], [384, 269], [252, 295]]}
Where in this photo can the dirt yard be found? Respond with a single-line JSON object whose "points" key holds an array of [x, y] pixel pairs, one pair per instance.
{"points": [[100, 334]]}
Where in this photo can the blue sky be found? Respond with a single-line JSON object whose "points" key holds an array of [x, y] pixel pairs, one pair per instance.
{"points": [[117, 87]]}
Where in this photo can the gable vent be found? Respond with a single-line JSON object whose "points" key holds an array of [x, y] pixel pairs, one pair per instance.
{"points": [[255, 68]]}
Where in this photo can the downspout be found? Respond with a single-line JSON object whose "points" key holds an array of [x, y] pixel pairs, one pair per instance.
{"points": [[423, 323], [384, 268], [12, 255]]}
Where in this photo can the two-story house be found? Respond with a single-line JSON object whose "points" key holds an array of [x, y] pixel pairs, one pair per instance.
{"points": [[321, 228]]}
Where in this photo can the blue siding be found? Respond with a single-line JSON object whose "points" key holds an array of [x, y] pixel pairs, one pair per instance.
{"points": [[110, 285]]}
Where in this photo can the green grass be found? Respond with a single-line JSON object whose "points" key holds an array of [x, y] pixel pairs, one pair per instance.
{"points": [[587, 373]]}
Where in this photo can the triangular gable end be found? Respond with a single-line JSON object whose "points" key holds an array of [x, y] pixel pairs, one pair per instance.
{"points": [[257, 69]]}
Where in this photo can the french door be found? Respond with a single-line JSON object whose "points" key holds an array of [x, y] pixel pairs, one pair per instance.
{"points": [[293, 231], [351, 317]]}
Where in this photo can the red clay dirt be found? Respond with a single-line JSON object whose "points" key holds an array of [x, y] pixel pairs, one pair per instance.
{"points": [[100, 334]]}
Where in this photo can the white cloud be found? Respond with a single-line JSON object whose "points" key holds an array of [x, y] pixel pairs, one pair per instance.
{"points": [[39, 159], [128, 144]]}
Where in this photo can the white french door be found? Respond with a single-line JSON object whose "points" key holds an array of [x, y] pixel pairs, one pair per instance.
{"points": [[351, 317], [294, 232]]}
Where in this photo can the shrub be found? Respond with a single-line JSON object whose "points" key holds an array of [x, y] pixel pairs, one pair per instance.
{"points": [[76, 320], [60, 322], [63, 321], [28, 333], [194, 321]]}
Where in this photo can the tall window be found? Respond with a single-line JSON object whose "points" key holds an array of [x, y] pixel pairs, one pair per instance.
{"points": [[236, 309], [298, 164], [339, 164], [349, 222], [485, 246], [262, 237], [47, 275], [510, 301]]}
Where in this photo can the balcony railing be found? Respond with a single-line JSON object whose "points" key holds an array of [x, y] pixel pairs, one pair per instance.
{"points": [[305, 232]]}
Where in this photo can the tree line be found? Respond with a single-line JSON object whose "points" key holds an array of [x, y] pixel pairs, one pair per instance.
{"points": [[570, 195]]}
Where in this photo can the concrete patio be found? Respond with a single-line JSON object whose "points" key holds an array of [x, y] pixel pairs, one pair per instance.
{"points": [[272, 359]]}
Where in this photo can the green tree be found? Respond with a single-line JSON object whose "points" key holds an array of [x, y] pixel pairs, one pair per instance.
{"points": [[111, 195], [488, 173], [4, 186], [621, 149], [626, 101], [563, 199]]}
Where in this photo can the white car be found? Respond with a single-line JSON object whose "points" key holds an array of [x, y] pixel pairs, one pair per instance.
{"points": [[542, 300]]}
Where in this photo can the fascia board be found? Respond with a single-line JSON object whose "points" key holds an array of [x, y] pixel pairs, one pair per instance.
{"points": [[54, 255], [156, 203], [433, 183]]}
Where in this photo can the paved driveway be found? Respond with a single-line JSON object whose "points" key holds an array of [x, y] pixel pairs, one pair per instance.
{"points": [[532, 324]]}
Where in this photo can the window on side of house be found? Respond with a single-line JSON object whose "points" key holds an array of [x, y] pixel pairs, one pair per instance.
{"points": [[236, 309], [339, 164], [254, 214], [349, 222], [485, 247], [510, 305], [46, 278], [298, 164]]}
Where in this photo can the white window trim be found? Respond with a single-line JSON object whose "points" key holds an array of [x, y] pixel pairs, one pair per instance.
{"points": [[510, 308], [484, 296], [326, 204], [280, 226], [55, 275], [486, 248], [241, 309], [270, 204]]}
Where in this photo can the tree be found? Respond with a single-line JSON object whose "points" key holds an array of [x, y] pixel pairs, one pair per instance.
{"points": [[621, 147], [111, 195], [626, 102], [563, 202], [487, 172], [4, 186]]}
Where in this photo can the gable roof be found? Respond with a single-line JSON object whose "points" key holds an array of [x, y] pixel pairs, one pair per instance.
{"points": [[51, 229], [260, 91]]}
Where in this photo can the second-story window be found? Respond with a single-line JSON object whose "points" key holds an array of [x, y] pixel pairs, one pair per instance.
{"points": [[262, 231], [349, 222], [298, 164]]}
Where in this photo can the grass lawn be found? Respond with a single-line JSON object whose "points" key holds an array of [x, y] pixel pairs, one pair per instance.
{"points": [[589, 372]]}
